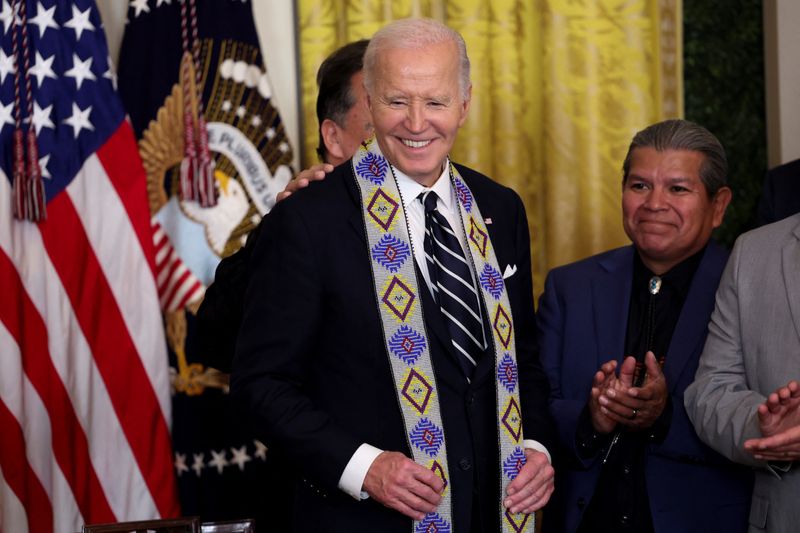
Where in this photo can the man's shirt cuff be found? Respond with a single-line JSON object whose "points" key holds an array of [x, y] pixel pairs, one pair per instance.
{"points": [[534, 445], [355, 472]]}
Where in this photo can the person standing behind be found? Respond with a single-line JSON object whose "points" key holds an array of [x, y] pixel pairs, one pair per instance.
{"points": [[742, 402], [342, 113], [378, 325], [780, 196], [621, 333], [344, 122]]}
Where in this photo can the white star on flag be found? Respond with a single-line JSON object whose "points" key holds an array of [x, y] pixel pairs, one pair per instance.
{"points": [[80, 21], [168, 2], [261, 450], [180, 463], [6, 65], [6, 17], [140, 6], [41, 117], [79, 119], [111, 73], [198, 464], [81, 70], [219, 462], [6, 114], [45, 18], [240, 457], [43, 68], [43, 162]]}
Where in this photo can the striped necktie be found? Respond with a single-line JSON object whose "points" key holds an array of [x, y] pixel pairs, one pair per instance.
{"points": [[454, 291]]}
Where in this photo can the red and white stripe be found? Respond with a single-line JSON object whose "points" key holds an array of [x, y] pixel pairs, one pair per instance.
{"points": [[84, 386], [177, 286]]}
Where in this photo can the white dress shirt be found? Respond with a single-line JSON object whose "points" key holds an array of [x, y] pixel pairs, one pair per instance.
{"points": [[352, 479]]}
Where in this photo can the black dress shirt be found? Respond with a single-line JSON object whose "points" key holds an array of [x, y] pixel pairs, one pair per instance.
{"points": [[620, 502]]}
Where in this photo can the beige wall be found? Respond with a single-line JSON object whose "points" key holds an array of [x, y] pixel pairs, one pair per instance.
{"points": [[276, 30], [782, 66]]}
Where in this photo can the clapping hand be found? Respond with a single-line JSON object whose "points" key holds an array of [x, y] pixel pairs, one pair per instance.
{"points": [[779, 422]]}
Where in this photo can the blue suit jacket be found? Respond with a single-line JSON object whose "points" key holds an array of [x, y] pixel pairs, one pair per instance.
{"points": [[582, 321]]}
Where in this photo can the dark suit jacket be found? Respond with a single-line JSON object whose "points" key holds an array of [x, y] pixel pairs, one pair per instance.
{"points": [[582, 321], [780, 196], [311, 367]]}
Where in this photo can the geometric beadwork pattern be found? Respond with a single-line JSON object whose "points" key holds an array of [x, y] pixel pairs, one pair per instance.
{"points": [[417, 391], [502, 326], [463, 194], [512, 419], [391, 252], [492, 281], [432, 523], [514, 463], [494, 290], [397, 287], [407, 344], [478, 237], [373, 168], [383, 208], [398, 297], [437, 469], [427, 436], [507, 373], [518, 521]]}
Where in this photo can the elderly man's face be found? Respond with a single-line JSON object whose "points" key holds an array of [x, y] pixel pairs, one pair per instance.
{"points": [[665, 208], [417, 108]]}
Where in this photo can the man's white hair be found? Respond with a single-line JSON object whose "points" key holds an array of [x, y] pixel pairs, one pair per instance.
{"points": [[415, 34]]}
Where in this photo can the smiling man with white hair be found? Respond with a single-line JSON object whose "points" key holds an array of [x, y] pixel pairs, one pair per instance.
{"points": [[388, 343]]}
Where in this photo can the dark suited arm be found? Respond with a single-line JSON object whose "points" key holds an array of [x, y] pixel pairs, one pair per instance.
{"points": [[532, 380], [276, 348], [220, 313], [550, 324]]}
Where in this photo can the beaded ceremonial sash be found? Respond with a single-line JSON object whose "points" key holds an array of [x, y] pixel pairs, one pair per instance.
{"points": [[397, 290]]}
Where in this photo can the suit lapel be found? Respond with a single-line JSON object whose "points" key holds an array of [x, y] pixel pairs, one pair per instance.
{"points": [[611, 295], [690, 330], [790, 257], [486, 203], [487, 362]]}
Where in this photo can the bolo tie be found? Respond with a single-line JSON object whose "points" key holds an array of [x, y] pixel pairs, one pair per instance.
{"points": [[653, 288]]}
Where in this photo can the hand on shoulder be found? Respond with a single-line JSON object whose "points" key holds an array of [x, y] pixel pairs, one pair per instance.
{"points": [[312, 173]]}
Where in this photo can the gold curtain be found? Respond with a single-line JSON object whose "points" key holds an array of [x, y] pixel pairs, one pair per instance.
{"points": [[559, 89]]}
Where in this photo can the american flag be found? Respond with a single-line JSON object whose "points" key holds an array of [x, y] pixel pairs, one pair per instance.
{"points": [[84, 383]]}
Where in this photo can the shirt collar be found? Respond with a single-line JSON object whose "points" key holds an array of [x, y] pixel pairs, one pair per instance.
{"points": [[410, 189], [678, 277]]}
